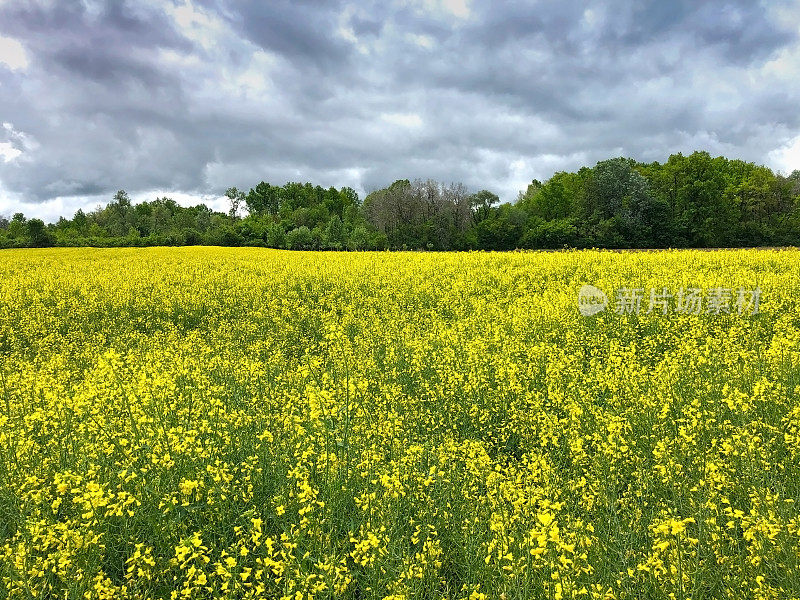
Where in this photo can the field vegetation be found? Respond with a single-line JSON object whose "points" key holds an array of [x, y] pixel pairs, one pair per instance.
{"points": [[254, 423]]}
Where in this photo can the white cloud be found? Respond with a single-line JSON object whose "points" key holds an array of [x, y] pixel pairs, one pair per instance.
{"points": [[8, 152], [48, 211], [424, 41], [459, 8], [786, 158], [13, 54], [255, 79], [66, 206], [218, 203], [199, 26], [16, 145], [407, 120], [456, 8], [592, 18]]}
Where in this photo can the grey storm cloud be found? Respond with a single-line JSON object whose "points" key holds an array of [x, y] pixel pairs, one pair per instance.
{"points": [[193, 97]]}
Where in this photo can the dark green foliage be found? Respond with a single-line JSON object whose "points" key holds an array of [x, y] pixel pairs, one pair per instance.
{"points": [[38, 234], [688, 201], [296, 216]]}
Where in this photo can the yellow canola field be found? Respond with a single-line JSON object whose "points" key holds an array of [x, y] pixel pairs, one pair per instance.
{"points": [[249, 423]]}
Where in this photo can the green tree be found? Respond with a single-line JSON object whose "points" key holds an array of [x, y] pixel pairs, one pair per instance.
{"points": [[235, 199], [263, 199], [481, 203], [299, 238], [38, 236], [334, 233], [558, 198]]}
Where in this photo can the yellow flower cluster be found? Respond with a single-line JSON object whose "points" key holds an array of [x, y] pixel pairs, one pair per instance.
{"points": [[248, 423]]}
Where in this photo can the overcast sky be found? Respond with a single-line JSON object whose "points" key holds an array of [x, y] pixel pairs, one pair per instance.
{"points": [[189, 98]]}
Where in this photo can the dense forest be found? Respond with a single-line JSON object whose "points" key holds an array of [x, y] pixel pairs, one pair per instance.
{"points": [[688, 201]]}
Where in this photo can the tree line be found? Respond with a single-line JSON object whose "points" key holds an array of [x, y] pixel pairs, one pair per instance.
{"points": [[688, 201]]}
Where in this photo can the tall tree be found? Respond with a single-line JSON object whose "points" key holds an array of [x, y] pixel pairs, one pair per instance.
{"points": [[235, 199]]}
